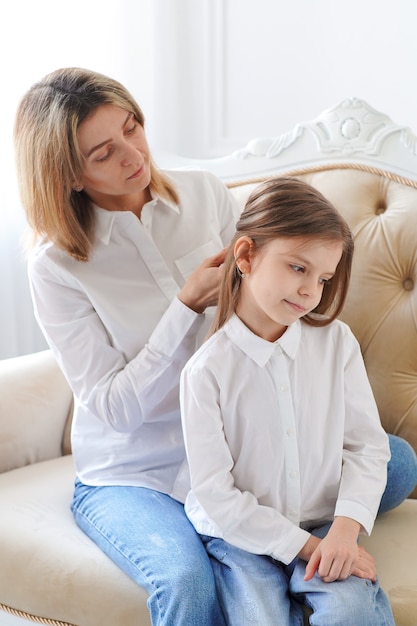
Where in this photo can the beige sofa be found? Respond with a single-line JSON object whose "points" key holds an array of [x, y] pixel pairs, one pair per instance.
{"points": [[367, 165]]}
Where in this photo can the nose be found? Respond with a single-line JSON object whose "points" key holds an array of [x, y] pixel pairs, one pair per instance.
{"points": [[129, 154], [309, 287]]}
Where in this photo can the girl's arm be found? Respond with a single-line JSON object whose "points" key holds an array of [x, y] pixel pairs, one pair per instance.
{"points": [[365, 457], [365, 444]]}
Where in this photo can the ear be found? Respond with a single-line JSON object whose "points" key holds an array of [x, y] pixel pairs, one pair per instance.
{"points": [[243, 254]]}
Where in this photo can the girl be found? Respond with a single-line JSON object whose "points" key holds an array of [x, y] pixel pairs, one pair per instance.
{"points": [[287, 456]]}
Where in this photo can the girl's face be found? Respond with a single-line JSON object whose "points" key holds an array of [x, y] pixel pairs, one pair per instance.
{"points": [[117, 161], [283, 281]]}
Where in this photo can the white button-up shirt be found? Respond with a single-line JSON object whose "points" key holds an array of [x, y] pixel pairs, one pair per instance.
{"points": [[280, 436], [122, 337]]}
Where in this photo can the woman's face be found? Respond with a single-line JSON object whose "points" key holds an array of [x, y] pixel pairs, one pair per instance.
{"points": [[117, 161]]}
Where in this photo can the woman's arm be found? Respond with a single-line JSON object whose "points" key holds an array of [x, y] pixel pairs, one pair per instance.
{"points": [[122, 393]]}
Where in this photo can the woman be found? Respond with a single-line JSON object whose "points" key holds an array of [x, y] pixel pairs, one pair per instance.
{"points": [[126, 261]]}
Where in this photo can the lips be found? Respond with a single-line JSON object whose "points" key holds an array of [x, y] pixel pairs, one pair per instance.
{"points": [[137, 173], [296, 307]]}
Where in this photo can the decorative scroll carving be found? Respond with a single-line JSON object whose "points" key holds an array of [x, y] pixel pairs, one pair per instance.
{"points": [[349, 128], [349, 135]]}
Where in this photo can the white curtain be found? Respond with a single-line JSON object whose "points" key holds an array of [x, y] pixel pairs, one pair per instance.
{"points": [[38, 36]]}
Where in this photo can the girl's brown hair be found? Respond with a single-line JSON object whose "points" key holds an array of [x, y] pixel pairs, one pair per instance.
{"points": [[49, 160], [288, 207]]}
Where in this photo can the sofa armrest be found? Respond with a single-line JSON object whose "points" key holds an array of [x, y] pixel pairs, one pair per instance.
{"points": [[35, 402]]}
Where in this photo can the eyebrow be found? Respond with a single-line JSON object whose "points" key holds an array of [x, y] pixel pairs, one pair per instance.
{"points": [[106, 141]]}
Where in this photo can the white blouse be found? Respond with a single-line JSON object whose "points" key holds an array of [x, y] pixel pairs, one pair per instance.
{"points": [[122, 337], [280, 436]]}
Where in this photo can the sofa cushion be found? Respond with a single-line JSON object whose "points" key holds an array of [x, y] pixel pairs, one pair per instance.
{"points": [[393, 543], [34, 399], [65, 577]]}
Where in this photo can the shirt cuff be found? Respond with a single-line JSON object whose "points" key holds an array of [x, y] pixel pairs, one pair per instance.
{"points": [[177, 329], [295, 540], [357, 512]]}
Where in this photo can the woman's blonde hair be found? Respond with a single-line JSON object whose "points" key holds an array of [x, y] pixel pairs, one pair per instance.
{"points": [[49, 159], [288, 207]]}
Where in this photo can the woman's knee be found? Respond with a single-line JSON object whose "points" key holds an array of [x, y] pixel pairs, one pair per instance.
{"points": [[402, 474]]}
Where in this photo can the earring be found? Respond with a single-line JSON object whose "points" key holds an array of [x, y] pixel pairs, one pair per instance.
{"points": [[78, 188]]}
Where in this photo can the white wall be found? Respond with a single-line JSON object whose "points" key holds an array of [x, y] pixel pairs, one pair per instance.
{"points": [[37, 37], [247, 68]]}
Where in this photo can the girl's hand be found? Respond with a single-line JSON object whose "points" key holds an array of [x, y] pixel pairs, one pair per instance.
{"points": [[338, 555], [365, 566], [202, 286]]}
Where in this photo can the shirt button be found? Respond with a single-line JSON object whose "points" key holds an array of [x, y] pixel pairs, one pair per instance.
{"points": [[290, 432], [293, 474], [283, 388]]}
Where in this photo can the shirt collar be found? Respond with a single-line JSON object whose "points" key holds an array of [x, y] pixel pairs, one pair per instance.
{"points": [[258, 349], [104, 219]]}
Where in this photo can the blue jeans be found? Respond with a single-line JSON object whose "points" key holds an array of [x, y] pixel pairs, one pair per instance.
{"points": [[148, 535], [402, 474], [257, 590]]}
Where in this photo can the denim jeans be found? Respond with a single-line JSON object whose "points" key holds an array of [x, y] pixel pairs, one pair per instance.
{"points": [[257, 590], [402, 474], [148, 535]]}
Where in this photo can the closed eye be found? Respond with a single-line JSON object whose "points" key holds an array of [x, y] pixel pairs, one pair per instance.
{"points": [[104, 157], [131, 129]]}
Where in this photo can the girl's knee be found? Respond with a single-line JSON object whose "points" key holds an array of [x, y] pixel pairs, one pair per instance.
{"points": [[350, 603]]}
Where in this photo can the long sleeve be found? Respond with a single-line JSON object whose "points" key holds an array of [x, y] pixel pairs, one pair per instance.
{"points": [[122, 392]]}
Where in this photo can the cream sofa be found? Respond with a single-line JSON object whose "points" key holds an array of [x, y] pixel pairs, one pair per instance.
{"points": [[367, 165]]}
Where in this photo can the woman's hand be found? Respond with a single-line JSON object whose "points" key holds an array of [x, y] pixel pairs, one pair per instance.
{"points": [[202, 286], [339, 556]]}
